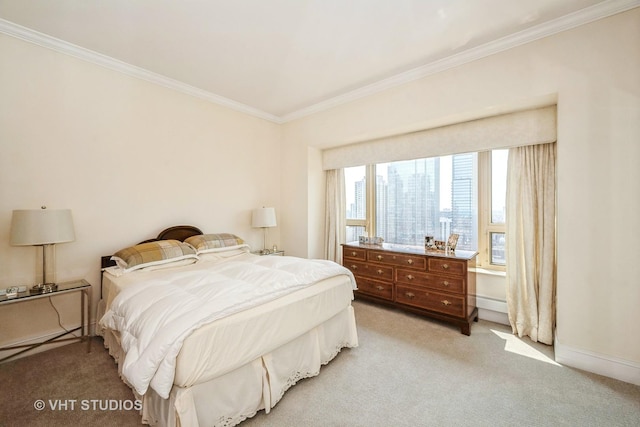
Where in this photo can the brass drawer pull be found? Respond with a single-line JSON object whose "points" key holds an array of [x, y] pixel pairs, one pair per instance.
{"points": [[409, 261], [380, 288], [445, 302], [409, 295], [446, 283], [354, 267], [354, 253], [381, 272], [380, 257], [445, 266], [410, 277]]}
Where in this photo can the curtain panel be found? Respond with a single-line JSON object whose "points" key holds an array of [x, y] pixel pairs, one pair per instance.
{"points": [[531, 242], [335, 222]]}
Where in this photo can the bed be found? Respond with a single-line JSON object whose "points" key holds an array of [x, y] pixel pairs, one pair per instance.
{"points": [[208, 334]]}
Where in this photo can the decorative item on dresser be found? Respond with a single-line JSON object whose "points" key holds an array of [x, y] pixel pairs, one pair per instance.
{"points": [[436, 284]]}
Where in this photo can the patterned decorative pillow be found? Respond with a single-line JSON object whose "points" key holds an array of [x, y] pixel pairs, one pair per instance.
{"points": [[205, 243], [153, 253]]}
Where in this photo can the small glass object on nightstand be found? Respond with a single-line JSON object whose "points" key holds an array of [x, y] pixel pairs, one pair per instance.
{"points": [[269, 252]]}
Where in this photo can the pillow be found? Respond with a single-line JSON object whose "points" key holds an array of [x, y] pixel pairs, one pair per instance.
{"points": [[206, 243], [117, 271], [153, 253], [223, 253]]}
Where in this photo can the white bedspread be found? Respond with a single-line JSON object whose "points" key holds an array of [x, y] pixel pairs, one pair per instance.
{"points": [[156, 315]]}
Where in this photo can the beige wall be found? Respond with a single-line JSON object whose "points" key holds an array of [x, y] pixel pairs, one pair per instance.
{"points": [[128, 157], [594, 74]]}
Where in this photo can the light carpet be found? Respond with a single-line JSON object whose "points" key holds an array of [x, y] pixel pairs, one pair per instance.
{"points": [[407, 371]]}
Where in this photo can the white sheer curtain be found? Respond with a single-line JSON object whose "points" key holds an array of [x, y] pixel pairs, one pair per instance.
{"points": [[531, 246], [335, 215]]}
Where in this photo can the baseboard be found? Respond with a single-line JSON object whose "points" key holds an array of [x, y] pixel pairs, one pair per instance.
{"points": [[492, 310], [619, 369]]}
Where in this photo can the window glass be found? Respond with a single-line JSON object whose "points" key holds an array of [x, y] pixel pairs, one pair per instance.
{"points": [[498, 185], [435, 196], [498, 249], [355, 192], [354, 233]]}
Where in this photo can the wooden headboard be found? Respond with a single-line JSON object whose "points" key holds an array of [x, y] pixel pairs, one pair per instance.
{"points": [[177, 232]]}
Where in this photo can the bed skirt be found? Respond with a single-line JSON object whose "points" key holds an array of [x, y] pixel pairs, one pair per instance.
{"points": [[237, 395]]}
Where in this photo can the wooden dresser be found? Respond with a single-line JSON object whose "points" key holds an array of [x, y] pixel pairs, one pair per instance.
{"points": [[431, 283]]}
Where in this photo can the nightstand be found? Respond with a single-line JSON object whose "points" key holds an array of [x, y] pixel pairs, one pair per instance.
{"points": [[81, 286], [271, 253]]}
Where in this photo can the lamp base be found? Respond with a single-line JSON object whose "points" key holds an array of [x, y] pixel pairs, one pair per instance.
{"points": [[44, 288]]}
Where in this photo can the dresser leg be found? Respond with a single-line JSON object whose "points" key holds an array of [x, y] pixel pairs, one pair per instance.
{"points": [[465, 329]]}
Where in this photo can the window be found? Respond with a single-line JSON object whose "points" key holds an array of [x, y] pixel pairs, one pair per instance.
{"points": [[436, 196], [499, 160], [356, 202], [493, 187]]}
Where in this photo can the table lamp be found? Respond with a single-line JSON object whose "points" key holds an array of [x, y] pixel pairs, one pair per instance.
{"points": [[264, 218], [42, 227]]}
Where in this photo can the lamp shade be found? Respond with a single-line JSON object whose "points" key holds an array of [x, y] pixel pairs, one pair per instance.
{"points": [[32, 227], [263, 217]]}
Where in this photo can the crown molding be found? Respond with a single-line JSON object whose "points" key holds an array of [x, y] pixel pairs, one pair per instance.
{"points": [[70, 49], [564, 23], [567, 22]]}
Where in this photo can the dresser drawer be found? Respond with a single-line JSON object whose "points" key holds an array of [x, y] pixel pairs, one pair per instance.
{"points": [[380, 272], [354, 253], [448, 266], [373, 287], [391, 258], [435, 301], [434, 281]]}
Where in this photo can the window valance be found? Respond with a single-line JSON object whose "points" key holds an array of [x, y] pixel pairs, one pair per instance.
{"points": [[527, 127]]}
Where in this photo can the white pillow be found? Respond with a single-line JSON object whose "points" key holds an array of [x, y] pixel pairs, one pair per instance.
{"points": [[119, 271]]}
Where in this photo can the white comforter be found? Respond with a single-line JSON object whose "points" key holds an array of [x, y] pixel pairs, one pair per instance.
{"points": [[156, 315]]}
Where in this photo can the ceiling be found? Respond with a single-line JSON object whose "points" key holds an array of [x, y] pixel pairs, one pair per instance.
{"points": [[283, 59]]}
